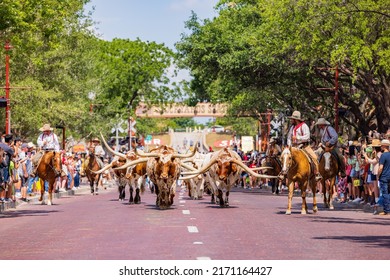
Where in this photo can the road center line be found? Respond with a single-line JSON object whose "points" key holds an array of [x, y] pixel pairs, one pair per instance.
{"points": [[192, 229]]}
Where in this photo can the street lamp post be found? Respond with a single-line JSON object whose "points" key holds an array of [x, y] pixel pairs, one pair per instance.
{"points": [[336, 95], [7, 89]]}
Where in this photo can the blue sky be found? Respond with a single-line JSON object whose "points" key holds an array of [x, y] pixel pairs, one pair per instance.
{"points": [[161, 21]]}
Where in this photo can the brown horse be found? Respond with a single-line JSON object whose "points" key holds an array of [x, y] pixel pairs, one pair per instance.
{"points": [[328, 168], [49, 169], [275, 168], [91, 167], [296, 166]]}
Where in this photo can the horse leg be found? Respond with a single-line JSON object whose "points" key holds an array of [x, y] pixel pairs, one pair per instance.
{"points": [[290, 196], [323, 183], [313, 187], [42, 183], [91, 184], [303, 195], [50, 195], [331, 192], [98, 182]]}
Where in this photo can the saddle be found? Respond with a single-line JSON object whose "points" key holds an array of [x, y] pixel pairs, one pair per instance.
{"points": [[309, 158]]}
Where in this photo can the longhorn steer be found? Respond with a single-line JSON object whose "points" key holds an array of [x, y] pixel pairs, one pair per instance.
{"points": [[134, 176], [163, 169], [225, 167]]}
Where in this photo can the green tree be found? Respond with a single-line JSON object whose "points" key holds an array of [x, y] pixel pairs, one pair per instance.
{"points": [[257, 54]]}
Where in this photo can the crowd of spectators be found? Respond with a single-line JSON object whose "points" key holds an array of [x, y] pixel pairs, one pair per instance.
{"points": [[16, 168]]}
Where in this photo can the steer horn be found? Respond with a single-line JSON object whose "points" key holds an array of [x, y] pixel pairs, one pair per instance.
{"points": [[176, 155], [247, 169], [202, 170], [143, 154], [111, 150], [130, 163], [108, 166], [189, 167]]}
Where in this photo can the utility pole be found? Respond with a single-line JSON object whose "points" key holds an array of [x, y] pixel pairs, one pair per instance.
{"points": [[336, 95], [336, 99]]}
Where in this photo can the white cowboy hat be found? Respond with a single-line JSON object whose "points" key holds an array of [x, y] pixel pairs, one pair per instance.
{"points": [[95, 139], [322, 121], [296, 115], [30, 145], [385, 142], [46, 127]]}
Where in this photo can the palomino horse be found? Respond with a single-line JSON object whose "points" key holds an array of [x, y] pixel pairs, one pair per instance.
{"points": [[328, 168], [49, 169], [296, 166], [91, 167], [275, 168]]}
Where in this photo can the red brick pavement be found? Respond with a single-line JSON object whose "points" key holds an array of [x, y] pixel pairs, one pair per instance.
{"points": [[254, 227]]}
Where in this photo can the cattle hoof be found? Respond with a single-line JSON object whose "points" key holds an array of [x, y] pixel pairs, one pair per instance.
{"points": [[288, 212], [303, 212]]}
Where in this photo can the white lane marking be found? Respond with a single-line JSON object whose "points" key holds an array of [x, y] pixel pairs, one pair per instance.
{"points": [[203, 258], [192, 229], [186, 212], [198, 243], [182, 201]]}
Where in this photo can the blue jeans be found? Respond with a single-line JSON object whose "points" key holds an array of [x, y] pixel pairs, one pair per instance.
{"points": [[30, 182], [77, 179], [386, 197]]}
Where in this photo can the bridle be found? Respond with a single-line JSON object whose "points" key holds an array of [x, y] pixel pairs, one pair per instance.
{"points": [[52, 164], [287, 163]]}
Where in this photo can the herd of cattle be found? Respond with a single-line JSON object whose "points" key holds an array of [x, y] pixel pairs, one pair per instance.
{"points": [[217, 171]]}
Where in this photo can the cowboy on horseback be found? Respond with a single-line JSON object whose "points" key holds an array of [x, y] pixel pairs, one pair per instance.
{"points": [[47, 141], [299, 136], [273, 148], [329, 140], [97, 150]]}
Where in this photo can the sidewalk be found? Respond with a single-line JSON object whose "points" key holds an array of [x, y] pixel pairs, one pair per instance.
{"points": [[83, 189], [350, 205]]}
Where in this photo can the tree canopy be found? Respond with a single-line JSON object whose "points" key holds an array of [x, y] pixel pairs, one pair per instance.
{"points": [[255, 55], [283, 54]]}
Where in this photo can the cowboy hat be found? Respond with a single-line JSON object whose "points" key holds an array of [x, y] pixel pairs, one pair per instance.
{"points": [[95, 139], [46, 127], [385, 142], [30, 145], [322, 121], [375, 143], [296, 115], [272, 140]]}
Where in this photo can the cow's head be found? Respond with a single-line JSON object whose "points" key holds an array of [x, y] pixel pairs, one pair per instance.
{"points": [[225, 167], [166, 166]]}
